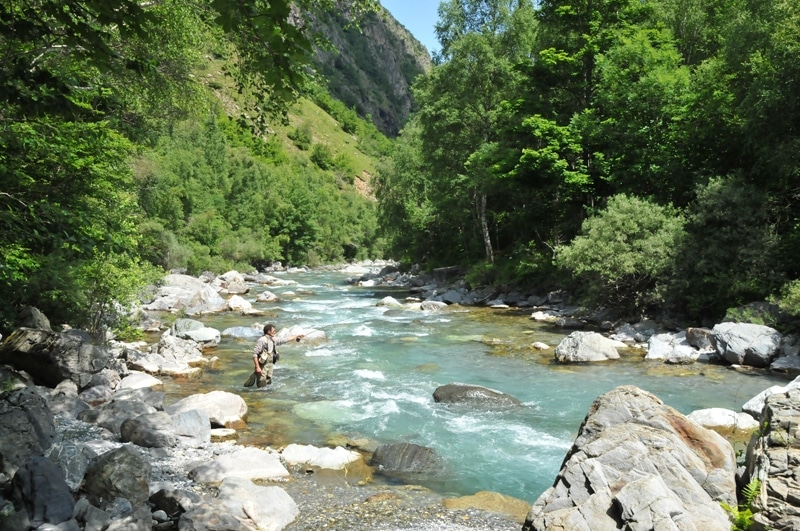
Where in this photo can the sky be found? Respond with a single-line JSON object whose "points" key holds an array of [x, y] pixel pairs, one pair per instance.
{"points": [[418, 16]]}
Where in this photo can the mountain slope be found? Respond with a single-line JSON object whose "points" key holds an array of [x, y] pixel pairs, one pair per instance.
{"points": [[371, 70]]}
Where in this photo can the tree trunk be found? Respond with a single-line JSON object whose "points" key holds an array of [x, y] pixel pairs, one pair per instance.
{"points": [[487, 241]]}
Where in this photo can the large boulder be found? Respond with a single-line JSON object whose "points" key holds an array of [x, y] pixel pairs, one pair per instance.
{"points": [[224, 409], [204, 336], [121, 473], [755, 405], [404, 459], [247, 463], [772, 459], [51, 357], [27, 427], [671, 348], [151, 430], [269, 507], [746, 343], [461, 393], [39, 489], [112, 414], [639, 464], [583, 347]]}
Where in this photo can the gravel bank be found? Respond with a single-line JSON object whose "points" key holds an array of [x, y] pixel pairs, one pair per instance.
{"points": [[325, 501]]}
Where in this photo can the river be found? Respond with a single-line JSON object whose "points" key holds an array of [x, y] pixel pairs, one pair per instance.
{"points": [[375, 376]]}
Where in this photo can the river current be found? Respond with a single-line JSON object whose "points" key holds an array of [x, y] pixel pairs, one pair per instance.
{"points": [[375, 375]]}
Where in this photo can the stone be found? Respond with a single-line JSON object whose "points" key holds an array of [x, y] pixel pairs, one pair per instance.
{"points": [[330, 458], [193, 428], [460, 393], [151, 430], [39, 488], [51, 357], [224, 409], [267, 507], [27, 426], [248, 463], [120, 473], [746, 343], [112, 414], [406, 458], [639, 464], [583, 347]]}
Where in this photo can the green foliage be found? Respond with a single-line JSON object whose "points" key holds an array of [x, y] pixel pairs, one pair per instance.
{"points": [[729, 255], [624, 251], [301, 136], [741, 515], [790, 298], [322, 156]]}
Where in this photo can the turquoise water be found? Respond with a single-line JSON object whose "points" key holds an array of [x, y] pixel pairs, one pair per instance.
{"points": [[375, 376]]}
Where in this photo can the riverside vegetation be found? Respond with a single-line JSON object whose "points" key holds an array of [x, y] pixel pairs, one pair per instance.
{"points": [[639, 154]]}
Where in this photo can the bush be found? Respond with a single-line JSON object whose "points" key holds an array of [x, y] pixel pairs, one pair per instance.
{"points": [[624, 253]]}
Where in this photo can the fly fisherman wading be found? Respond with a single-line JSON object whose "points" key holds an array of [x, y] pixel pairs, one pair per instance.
{"points": [[265, 355]]}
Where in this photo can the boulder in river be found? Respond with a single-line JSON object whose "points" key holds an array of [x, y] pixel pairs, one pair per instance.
{"points": [[583, 347], [461, 393]]}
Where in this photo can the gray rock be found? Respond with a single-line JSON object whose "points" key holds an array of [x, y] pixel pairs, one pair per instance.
{"points": [[210, 516], [772, 458], [267, 507], [27, 426], [121, 473], [152, 430], [192, 427], [92, 518], [73, 460], [746, 343], [582, 347], [224, 409], [39, 488], [639, 464], [31, 317], [405, 458], [248, 463], [671, 348], [755, 405], [52, 357], [112, 414], [455, 393]]}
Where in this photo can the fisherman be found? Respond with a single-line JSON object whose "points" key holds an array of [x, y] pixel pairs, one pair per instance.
{"points": [[265, 355]]}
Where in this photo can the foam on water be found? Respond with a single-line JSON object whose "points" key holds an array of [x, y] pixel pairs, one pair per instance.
{"points": [[370, 375]]}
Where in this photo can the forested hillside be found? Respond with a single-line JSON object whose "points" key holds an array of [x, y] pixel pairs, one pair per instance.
{"points": [[136, 138], [643, 153]]}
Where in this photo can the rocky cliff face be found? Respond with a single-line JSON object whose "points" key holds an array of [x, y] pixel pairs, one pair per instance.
{"points": [[371, 69]]}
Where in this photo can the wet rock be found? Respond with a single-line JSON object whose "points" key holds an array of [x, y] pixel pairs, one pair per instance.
{"points": [[461, 393], [405, 458]]}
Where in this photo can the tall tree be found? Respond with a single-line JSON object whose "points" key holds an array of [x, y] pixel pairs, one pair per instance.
{"points": [[460, 104]]}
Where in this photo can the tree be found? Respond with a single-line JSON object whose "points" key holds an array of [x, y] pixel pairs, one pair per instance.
{"points": [[460, 105], [624, 254]]}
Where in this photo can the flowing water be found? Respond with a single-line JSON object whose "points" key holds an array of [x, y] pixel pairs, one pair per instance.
{"points": [[375, 376]]}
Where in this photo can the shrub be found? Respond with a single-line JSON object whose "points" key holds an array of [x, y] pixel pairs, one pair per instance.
{"points": [[624, 252]]}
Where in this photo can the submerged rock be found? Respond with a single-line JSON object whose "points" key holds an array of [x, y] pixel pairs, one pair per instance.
{"points": [[460, 393]]}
